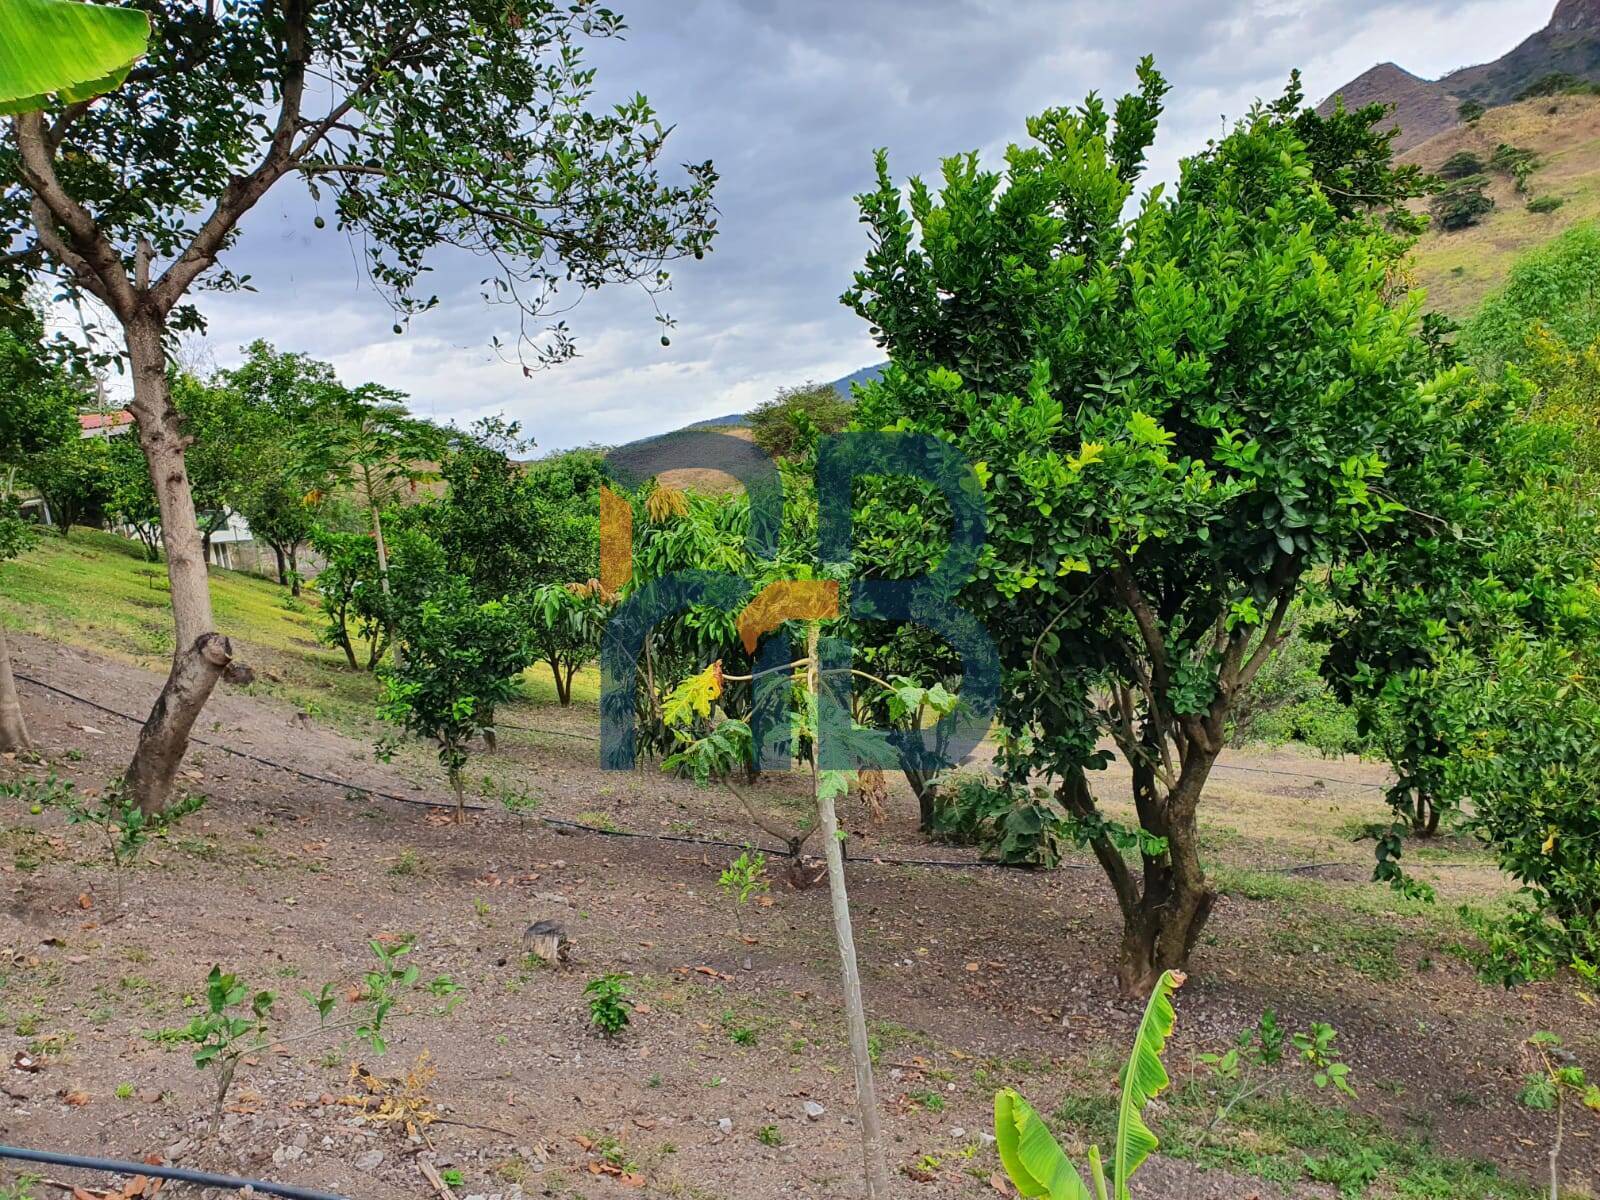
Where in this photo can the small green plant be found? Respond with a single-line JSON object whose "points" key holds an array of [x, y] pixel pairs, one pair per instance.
{"points": [[235, 1021], [1554, 1080], [1248, 1068], [126, 828], [745, 878], [452, 1177], [768, 1135], [609, 1003], [1319, 1053], [408, 863], [20, 1188], [1547, 203], [124, 1091], [1036, 1163], [931, 1101]]}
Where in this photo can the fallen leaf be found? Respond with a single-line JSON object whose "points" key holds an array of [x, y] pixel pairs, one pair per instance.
{"points": [[75, 1098], [1000, 1183], [85, 900]]}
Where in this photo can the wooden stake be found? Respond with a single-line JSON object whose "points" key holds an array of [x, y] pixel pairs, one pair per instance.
{"points": [[855, 1011]]}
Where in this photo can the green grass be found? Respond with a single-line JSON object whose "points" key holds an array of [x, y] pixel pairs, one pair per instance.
{"points": [[94, 590], [1290, 1140]]}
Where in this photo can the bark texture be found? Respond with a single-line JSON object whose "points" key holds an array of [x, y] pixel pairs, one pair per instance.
{"points": [[13, 727]]}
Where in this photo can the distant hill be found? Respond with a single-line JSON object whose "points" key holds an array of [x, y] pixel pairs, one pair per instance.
{"points": [[864, 375], [1568, 45], [1459, 268]]}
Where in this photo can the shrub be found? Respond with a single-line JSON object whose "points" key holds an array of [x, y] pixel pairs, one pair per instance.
{"points": [[1470, 111], [1545, 204], [609, 1004], [1461, 205], [790, 422], [1460, 165]]}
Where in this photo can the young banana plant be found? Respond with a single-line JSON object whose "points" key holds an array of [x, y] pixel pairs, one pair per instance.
{"points": [[1038, 1166]]}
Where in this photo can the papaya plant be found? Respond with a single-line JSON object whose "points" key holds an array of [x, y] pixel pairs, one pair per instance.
{"points": [[1036, 1163]]}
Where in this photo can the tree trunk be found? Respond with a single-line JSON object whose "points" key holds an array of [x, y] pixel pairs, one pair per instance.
{"points": [[165, 736], [1161, 927], [200, 655], [294, 568], [1425, 816], [205, 546], [283, 571], [13, 728]]}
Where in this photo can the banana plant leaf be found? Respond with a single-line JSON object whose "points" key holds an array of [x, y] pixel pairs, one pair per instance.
{"points": [[59, 47], [1144, 1078], [1036, 1164]]}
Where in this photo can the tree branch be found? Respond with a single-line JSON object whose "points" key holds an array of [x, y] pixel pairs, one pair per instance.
{"points": [[85, 250]]}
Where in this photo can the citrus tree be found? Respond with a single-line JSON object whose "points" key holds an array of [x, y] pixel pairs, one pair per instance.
{"points": [[1175, 413], [461, 660]]}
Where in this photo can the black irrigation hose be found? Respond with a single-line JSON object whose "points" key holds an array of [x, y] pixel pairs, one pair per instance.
{"points": [[580, 827], [177, 1174], [255, 758]]}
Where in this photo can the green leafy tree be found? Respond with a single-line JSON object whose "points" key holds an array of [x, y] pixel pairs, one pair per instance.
{"points": [[564, 628], [363, 439], [1461, 205], [1174, 416], [137, 200], [74, 478], [460, 662], [130, 499], [353, 605], [791, 421]]}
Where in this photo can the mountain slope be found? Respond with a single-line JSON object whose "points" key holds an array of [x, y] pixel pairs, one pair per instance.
{"points": [[1569, 44], [1458, 269]]}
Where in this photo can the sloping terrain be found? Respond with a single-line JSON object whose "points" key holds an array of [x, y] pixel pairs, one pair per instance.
{"points": [[1459, 268]]}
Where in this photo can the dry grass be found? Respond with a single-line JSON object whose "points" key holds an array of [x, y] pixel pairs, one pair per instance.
{"points": [[1459, 269]]}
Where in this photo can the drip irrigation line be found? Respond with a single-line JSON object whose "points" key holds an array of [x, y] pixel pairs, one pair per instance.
{"points": [[561, 823], [177, 1174], [310, 776]]}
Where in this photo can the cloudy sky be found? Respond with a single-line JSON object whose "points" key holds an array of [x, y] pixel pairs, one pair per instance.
{"points": [[789, 98]]}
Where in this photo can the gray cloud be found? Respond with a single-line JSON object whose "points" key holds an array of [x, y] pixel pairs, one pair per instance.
{"points": [[790, 99]]}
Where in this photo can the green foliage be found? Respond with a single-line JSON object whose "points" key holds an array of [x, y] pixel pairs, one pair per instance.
{"points": [[1317, 1051], [1470, 110], [354, 608], [1290, 701], [1558, 83], [564, 627], [791, 421], [460, 662], [236, 1022], [74, 477], [124, 826], [1552, 287], [1547, 203], [609, 1003], [1034, 1162], [1515, 161], [131, 498], [745, 878], [1011, 823], [1174, 413], [1460, 165], [1461, 205], [565, 195], [74, 51]]}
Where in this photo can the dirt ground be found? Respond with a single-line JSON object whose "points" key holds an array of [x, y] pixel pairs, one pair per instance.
{"points": [[975, 977]]}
